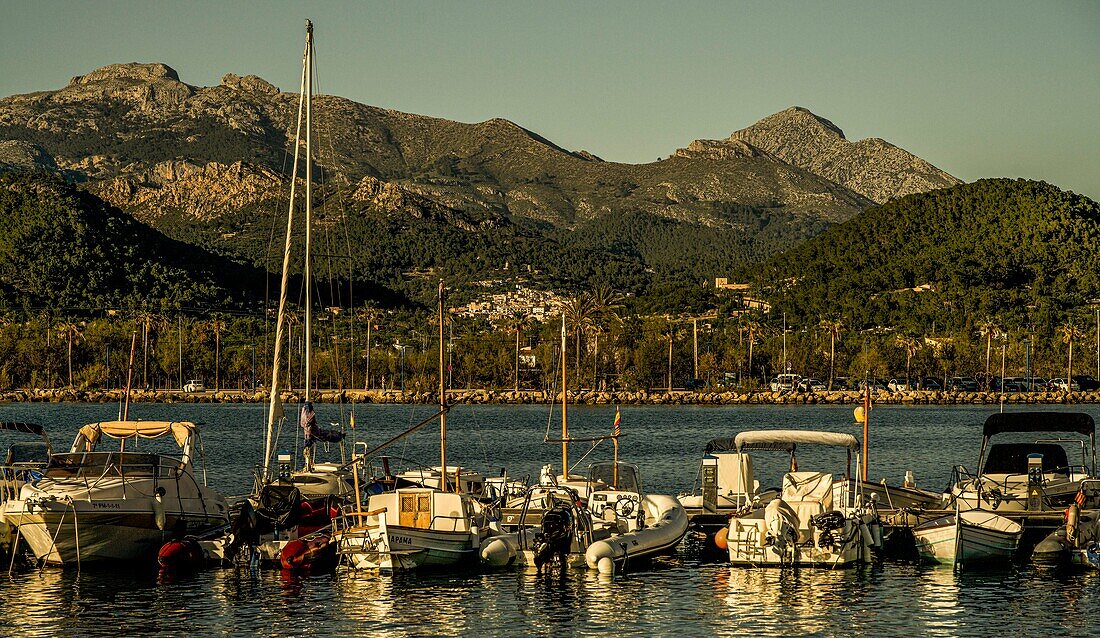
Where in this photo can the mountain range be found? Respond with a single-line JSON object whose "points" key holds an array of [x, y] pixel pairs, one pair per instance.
{"points": [[402, 195]]}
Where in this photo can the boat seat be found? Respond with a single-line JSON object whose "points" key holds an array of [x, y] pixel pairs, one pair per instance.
{"points": [[808, 494]]}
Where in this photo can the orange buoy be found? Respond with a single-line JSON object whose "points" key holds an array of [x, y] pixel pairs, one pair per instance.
{"points": [[720, 538]]}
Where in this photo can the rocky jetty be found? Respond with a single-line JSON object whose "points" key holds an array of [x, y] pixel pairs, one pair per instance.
{"points": [[583, 397]]}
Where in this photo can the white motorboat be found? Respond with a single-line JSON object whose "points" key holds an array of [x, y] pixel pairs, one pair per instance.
{"points": [[968, 538], [91, 505], [23, 461], [616, 524], [1034, 476], [815, 520], [413, 527], [417, 526], [644, 525], [727, 486], [547, 521]]}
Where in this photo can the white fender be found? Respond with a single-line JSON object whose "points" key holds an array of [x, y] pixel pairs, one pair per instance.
{"points": [[499, 551]]}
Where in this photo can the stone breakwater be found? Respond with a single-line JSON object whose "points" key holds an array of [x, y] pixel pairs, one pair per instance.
{"points": [[583, 397]]}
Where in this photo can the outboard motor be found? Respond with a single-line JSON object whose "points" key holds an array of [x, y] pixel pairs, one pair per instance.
{"points": [[556, 537], [782, 527], [1035, 481], [826, 523]]}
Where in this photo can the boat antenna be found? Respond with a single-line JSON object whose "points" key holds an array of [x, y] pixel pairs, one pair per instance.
{"points": [[564, 407], [443, 404], [275, 412]]}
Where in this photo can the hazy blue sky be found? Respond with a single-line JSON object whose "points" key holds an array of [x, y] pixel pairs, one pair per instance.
{"points": [[979, 89]]}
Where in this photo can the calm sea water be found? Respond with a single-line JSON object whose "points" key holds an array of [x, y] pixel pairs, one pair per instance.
{"points": [[688, 594]]}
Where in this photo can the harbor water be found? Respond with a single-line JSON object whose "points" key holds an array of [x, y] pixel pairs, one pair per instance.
{"points": [[690, 593]]}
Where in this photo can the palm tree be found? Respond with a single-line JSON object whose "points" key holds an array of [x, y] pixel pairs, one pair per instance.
{"points": [[990, 330], [751, 326], [605, 304], [217, 325], [371, 315], [834, 326], [71, 331], [579, 310], [1069, 333], [517, 321], [911, 345]]}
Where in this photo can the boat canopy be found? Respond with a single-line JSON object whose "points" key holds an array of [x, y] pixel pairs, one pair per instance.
{"points": [[19, 426], [1078, 422], [180, 431], [786, 440]]}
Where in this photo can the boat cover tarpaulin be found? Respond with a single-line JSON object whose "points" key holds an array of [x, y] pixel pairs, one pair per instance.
{"points": [[783, 440], [1039, 422], [19, 426], [180, 430]]}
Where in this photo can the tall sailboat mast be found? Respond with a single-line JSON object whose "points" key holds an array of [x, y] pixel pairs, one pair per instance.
{"points": [[442, 404], [275, 411], [309, 211], [564, 407]]}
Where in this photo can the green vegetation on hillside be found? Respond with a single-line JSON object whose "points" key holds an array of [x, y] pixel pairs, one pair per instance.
{"points": [[1023, 252], [64, 248]]}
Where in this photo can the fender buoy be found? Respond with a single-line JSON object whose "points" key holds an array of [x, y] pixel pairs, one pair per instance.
{"points": [[721, 538], [181, 554]]}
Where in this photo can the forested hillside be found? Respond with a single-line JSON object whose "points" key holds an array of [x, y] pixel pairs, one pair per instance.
{"points": [[1024, 252]]}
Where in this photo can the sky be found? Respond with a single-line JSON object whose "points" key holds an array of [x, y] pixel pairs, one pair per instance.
{"points": [[980, 89]]}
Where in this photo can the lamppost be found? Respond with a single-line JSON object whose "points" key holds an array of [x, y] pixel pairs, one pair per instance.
{"points": [[402, 349]]}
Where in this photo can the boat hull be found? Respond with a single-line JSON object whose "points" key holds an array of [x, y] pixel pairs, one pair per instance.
{"points": [[973, 541], [56, 536], [396, 548]]}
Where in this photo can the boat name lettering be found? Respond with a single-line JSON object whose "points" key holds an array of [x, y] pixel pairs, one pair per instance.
{"points": [[401, 540], [107, 506]]}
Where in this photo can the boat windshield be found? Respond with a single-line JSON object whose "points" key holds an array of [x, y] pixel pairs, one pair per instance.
{"points": [[606, 472], [1012, 458], [96, 464], [27, 453]]}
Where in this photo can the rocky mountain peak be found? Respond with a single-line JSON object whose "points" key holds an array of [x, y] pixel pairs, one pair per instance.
{"points": [[131, 71], [249, 83], [872, 167]]}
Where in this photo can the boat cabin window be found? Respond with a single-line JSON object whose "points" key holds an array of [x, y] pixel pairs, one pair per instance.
{"points": [[1011, 458], [95, 464], [628, 479]]}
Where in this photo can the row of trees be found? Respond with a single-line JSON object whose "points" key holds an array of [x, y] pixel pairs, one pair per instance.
{"points": [[608, 346]]}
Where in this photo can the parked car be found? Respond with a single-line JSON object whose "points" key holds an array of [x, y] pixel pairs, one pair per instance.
{"points": [[786, 382], [931, 383], [876, 385], [963, 384], [842, 383], [1060, 385], [898, 385], [194, 386], [1013, 384], [813, 385], [1086, 382]]}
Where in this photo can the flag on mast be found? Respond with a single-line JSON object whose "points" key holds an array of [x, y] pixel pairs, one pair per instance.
{"points": [[618, 421]]}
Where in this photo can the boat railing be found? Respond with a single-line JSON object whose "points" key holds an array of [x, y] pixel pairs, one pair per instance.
{"points": [[454, 523], [13, 477], [93, 467]]}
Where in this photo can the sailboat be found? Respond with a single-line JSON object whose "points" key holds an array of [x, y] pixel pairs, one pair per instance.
{"points": [[602, 520], [286, 503], [416, 526], [317, 479]]}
